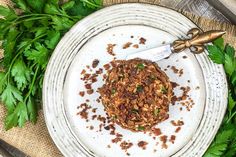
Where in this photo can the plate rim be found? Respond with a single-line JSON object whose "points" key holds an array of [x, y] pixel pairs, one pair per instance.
{"points": [[89, 17]]}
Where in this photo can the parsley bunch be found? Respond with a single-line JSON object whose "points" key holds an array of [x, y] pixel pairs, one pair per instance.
{"points": [[28, 40], [224, 143]]}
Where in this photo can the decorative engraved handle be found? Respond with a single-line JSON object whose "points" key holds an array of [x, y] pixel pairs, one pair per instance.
{"points": [[196, 41]]}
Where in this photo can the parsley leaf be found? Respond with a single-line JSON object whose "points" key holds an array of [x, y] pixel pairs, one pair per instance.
{"points": [[19, 116], [215, 54], [29, 39], [21, 74], [39, 55], [10, 96]]}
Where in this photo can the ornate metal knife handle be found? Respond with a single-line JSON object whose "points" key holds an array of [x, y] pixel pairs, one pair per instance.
{"points": [[197, 40]]}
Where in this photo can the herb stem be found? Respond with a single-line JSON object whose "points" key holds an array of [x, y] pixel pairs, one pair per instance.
{"points": [[32, 84]]}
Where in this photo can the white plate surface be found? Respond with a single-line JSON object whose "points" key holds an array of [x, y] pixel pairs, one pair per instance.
{"points": [[87, 41]]}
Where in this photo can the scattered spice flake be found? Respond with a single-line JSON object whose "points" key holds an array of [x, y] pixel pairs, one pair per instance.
{"points": [[94, 110], [180, 108], [81, 93], [116, 140], [88, 86], [95, 63], [184, 57], [165, 69], [197, 88], [94, 116], [154, 150], [163, 42], [181, 72], [188, 81], [174, 84], [177, 123], [87, 66], [110, 49], [135, 46], [84, 114], [168, 66], [107, 127], [102, 119], [131, 36], [106, 66], [127, 45], [91, 127], [87, 100], [142, 144], [142, 41], [108, 146], [156, 131], [90, 91], [175, 70], [125, 145], [99, 71], [172, 139], [83, 72], [177, 129], [128, 154], [163, 139]]}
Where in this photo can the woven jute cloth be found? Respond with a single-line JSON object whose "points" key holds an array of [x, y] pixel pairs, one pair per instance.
{"points": [[34, 140]]}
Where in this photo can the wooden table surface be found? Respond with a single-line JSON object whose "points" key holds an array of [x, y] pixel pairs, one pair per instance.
{"points": [[197, 7]]}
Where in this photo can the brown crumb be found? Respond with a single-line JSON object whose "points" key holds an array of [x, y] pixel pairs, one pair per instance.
{"points": [[163, 139], [90, 91], [83, 72], [107, 66], [127, 45], [126, 145], [142, 144], [177, 123], [110, 48], [94, 110], [142, 41], [172, 138], [116, 140], [177, 129], [156, 131], [81, 93], [181, 72], [175, 70], [88, 86], [95, 63], [91, 127], [135, 46]]}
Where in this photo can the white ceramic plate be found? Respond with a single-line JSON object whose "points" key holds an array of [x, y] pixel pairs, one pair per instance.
{"points": [[87, 41]]}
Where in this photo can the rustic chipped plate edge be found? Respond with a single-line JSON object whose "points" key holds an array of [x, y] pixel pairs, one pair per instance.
{"points": [[71, 145]]}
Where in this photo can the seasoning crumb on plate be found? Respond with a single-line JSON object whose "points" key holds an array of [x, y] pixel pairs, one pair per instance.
{"points": [[142, 40], [127, 45], [110, 48]]}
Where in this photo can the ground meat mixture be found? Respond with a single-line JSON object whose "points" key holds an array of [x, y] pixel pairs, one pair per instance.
{"points": [[136, 94]]}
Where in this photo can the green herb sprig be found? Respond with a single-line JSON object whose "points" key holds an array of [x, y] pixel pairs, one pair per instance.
{"points": [[29, 39], [224, 144]]}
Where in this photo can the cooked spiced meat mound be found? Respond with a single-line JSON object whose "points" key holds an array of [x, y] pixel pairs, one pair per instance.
{"points": [[136, 94]]}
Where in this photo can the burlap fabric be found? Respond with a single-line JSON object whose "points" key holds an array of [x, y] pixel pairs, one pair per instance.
{"points": [[35, 141]]}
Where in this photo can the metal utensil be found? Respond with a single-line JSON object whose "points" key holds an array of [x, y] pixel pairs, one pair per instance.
{"points": [[195, 42]]}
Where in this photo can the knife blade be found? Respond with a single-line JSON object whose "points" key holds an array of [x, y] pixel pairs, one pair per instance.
{"points": [[153, 54], [195, 42]]}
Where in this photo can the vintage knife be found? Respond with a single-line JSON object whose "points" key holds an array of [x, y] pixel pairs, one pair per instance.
{"points": [[195, 43]]}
